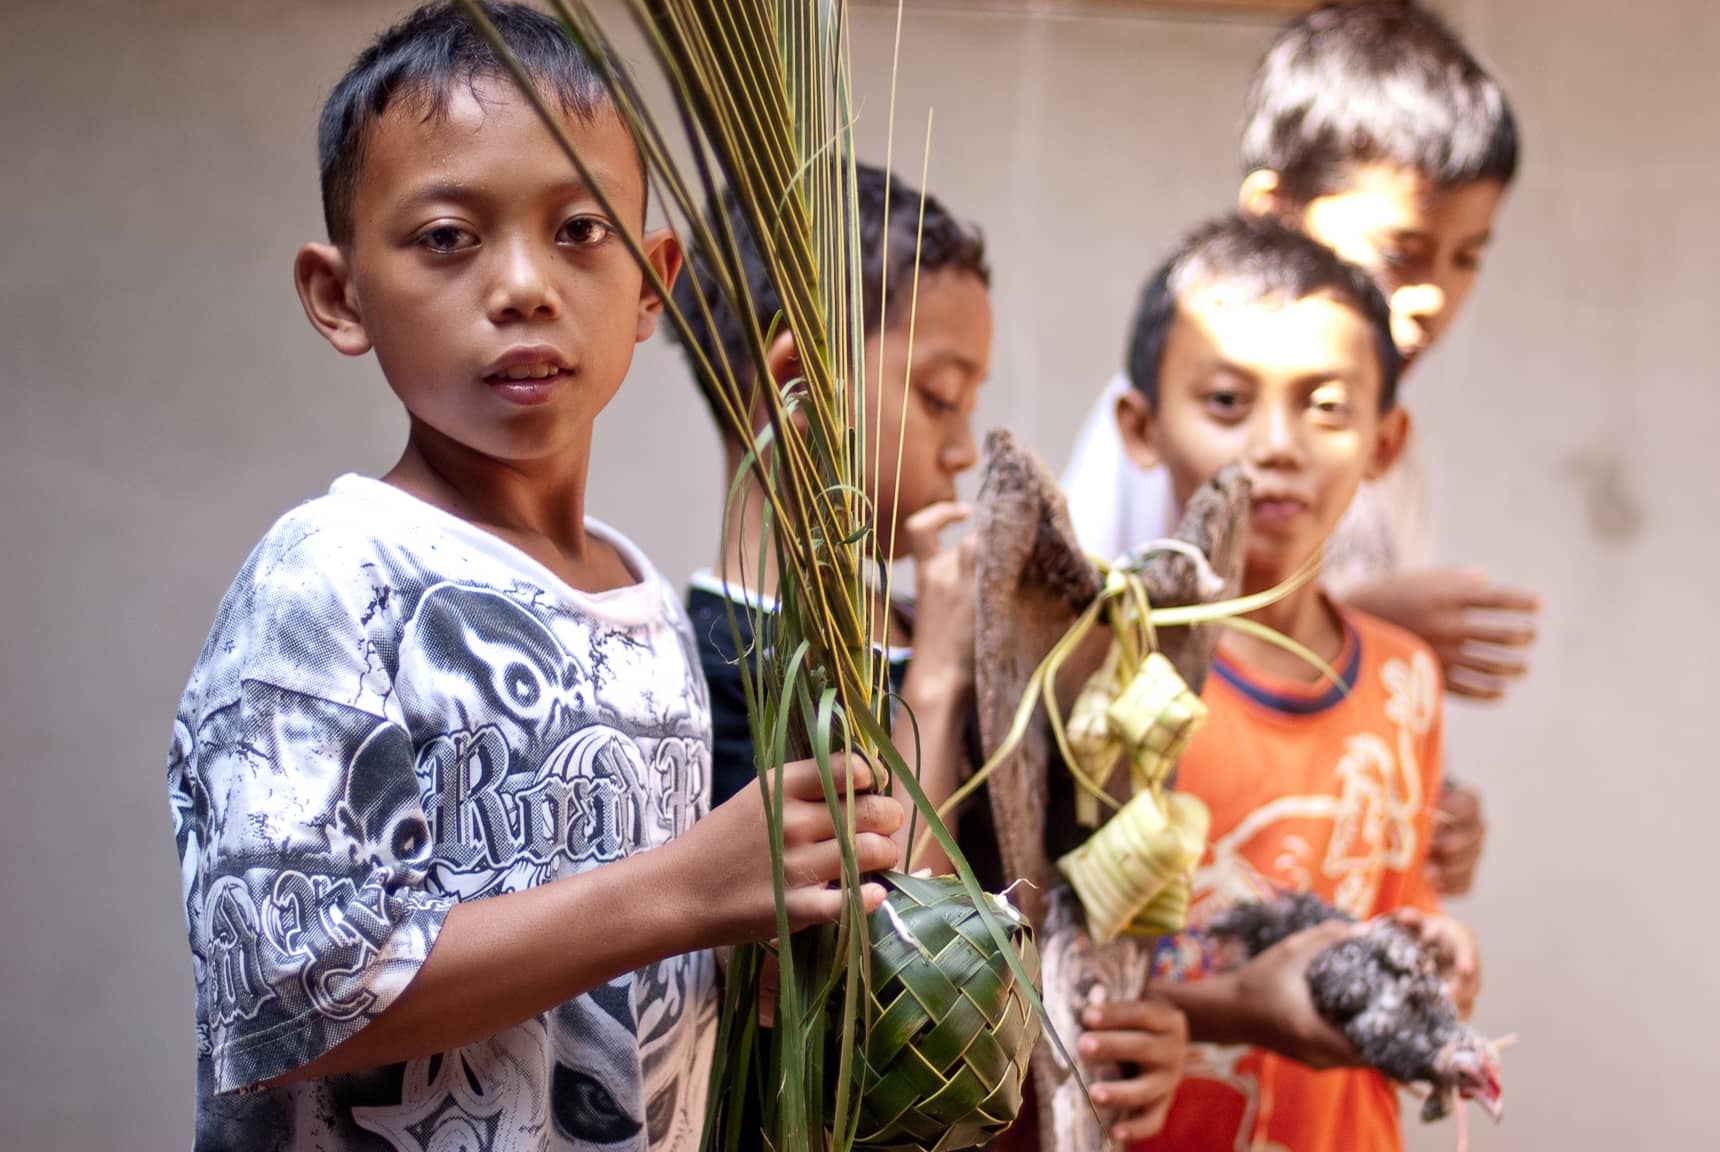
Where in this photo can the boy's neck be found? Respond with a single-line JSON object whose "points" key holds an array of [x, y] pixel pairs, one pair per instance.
{"points": [[538, 506], [1306, 616]]}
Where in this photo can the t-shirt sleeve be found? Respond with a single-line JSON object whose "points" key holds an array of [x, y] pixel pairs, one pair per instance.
{"points": [[304, 837]]}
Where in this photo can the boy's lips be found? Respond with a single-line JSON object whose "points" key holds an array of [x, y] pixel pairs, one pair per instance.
{"points": [[1272, 510], [528, 375]]}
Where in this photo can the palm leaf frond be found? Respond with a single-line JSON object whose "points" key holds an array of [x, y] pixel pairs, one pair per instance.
{"points": [[760, 90]]}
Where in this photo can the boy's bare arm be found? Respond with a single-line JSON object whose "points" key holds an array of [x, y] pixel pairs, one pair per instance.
{"points": [[504, 959], [1479, 631], [1266, 1003], [938, 688]]}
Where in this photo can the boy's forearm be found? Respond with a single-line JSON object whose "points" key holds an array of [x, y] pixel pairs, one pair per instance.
{"points": [[939, 704], [504, 959], [1217, 1009]]}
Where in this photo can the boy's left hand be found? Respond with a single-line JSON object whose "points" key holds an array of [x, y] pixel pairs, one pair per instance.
{"points": [[1148, 1040], [1454, 947], [1480, 631], [1459, 833]]}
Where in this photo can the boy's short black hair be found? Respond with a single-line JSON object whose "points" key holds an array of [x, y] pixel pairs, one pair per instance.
{"points": [[944, 243], [1261, 259], [1379, 81], [422, 58]]}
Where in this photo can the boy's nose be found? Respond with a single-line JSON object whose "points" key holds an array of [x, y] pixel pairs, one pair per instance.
{"points": [[1272, 438], [523, 289], [1416, 309], [960, 452]]}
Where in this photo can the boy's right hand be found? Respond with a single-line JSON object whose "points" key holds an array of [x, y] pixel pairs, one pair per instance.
{"points": [[1478, 630], [726, 856], [1274, 986], [944, 599]]}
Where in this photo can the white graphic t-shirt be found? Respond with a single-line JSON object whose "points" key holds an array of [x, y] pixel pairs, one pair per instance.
{"points": [[394, 712]]}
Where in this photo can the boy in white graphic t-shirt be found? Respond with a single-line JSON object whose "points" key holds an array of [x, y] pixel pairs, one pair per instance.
{"points": [[440, 777]]}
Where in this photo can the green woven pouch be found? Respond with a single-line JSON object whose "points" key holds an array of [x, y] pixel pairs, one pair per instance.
{"points": [[946, 1055]]}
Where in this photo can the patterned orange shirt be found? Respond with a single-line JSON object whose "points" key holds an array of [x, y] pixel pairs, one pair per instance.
{"points": [[1316, 790]]}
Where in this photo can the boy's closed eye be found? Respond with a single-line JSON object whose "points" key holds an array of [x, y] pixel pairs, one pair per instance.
{"points": [[1469, 259], [936, 404]]}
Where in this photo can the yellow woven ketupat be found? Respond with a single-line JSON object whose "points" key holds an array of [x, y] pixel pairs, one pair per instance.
{"points": [[1093, 743], [1155, 716], [1152, 843], [1167, 912]]}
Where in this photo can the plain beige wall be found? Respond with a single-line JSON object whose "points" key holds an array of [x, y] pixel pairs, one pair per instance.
{"points": [[162, 400]]}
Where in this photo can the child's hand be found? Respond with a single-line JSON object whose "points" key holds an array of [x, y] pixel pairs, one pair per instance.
{"points": [[1478, 630], [1148, 1039], [944, 599], [1453, 946], [726, 856], [1274, 985], [1458, 836]]}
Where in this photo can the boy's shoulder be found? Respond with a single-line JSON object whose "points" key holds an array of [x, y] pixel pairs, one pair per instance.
{"points": [[350, 521]]}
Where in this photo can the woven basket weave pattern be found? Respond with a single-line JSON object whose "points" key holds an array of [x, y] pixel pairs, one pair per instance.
{"points": [[947, 1052]]}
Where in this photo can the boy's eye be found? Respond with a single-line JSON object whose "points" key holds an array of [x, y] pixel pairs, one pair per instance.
{"points": [[937, 405], [446, 238], [585, 231], [1331, 401], [1226, 404]]}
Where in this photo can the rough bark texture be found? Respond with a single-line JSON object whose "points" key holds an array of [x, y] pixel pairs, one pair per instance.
{"points": [[1033, 582]]}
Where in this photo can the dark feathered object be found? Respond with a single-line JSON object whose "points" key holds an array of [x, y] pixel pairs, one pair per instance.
{"points": [[1382, 988]]}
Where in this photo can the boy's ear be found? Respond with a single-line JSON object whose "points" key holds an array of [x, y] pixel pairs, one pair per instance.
{"points": [[783, 358], [323, 275], [1262, 195], [1137, 427], [663, 248], [1389, 441]]}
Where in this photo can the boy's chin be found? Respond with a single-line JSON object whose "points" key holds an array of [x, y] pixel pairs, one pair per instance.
{"points": [[1270, 563]]}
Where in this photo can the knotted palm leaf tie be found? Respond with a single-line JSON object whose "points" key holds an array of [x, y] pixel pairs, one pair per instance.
{"points": [[1133, 874], [946, 1055]]}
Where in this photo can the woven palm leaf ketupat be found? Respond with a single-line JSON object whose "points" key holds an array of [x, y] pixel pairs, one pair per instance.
{"points": [[908, 1029], [947, 1053]]}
